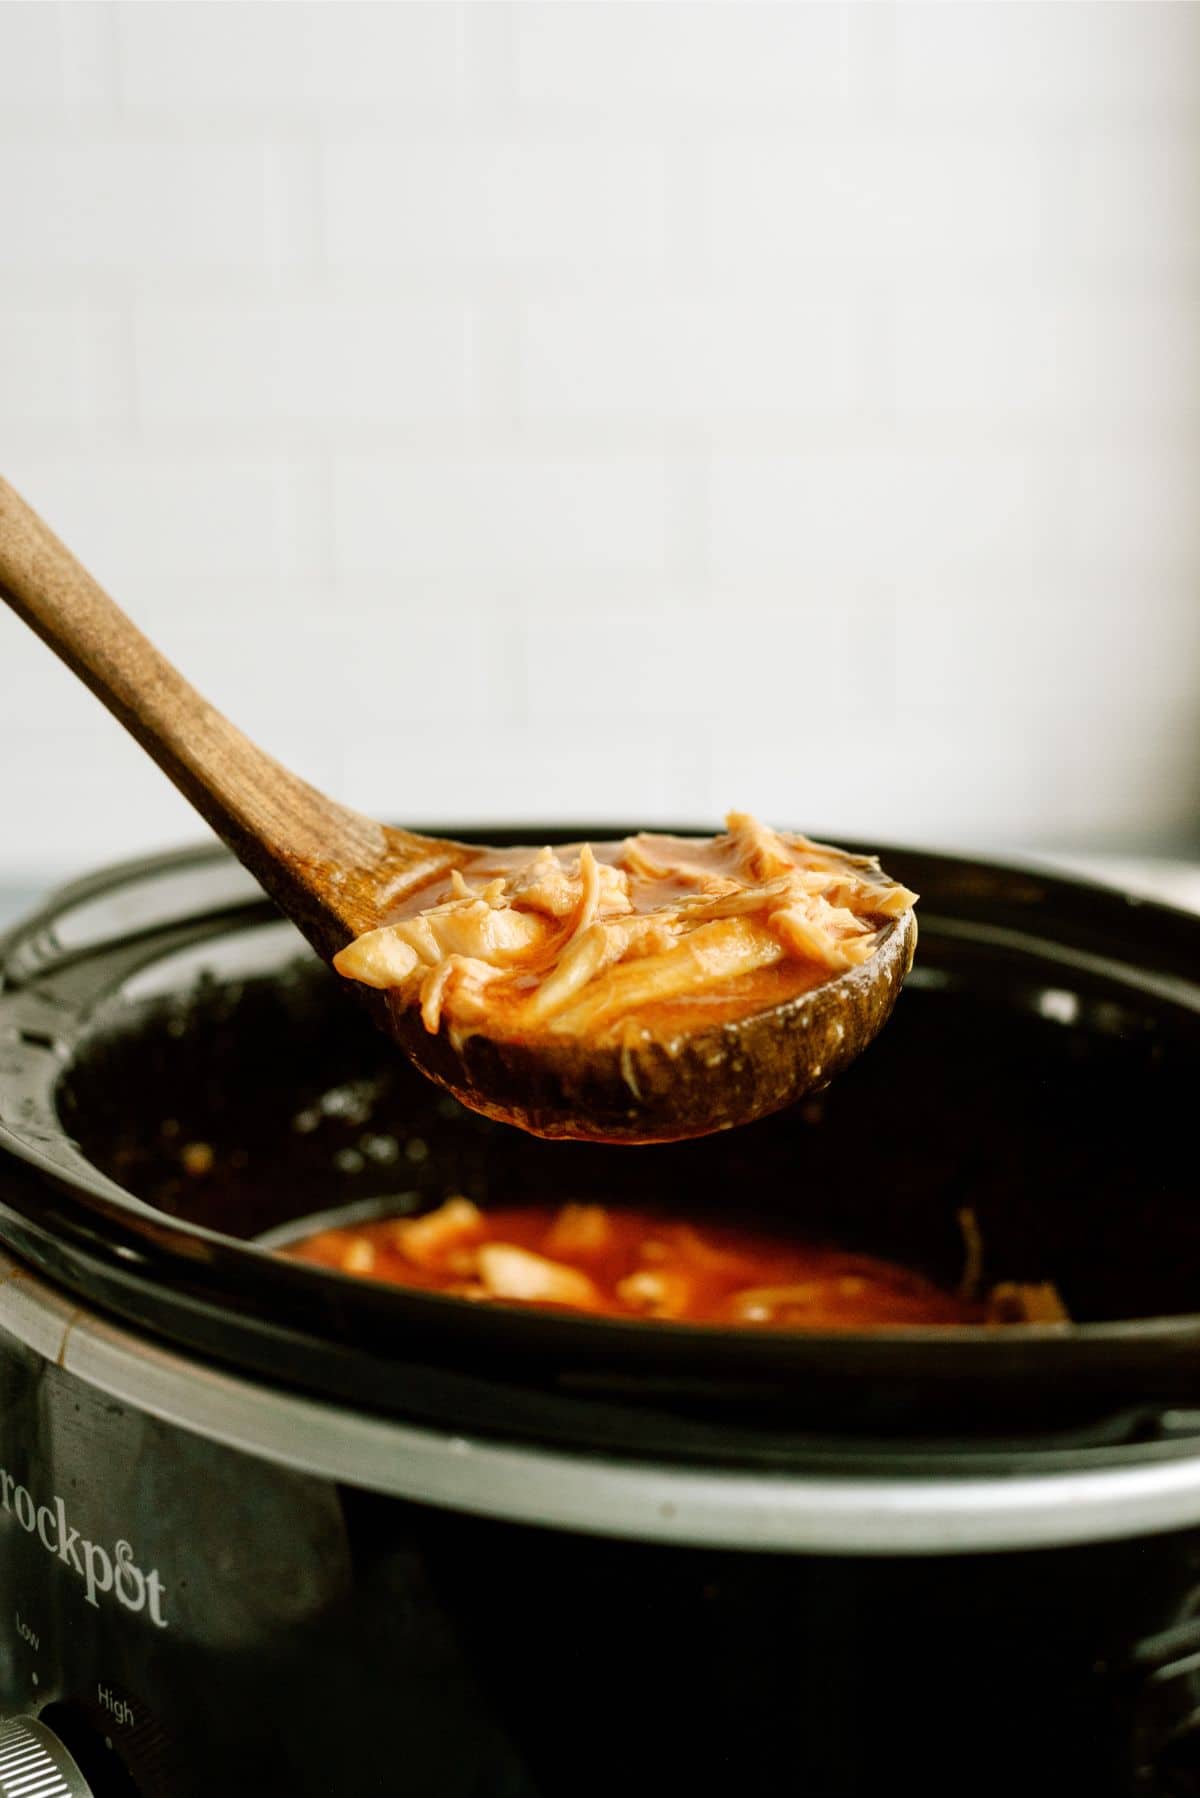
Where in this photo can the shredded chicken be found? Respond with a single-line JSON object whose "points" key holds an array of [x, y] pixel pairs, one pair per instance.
{"points": [[425, 1240], [509, 1272], [360, 1256], [574, 942], [579, 1230], [614, 1262], [758, 1304], [665, 1293], [972, 1273], [1026, 1302]]}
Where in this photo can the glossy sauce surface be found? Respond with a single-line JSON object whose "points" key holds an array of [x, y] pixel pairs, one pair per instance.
{"points": [[661, 877], [612, 1262], [739, 997]]}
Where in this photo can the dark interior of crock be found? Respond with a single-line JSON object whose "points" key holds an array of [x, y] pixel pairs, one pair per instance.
{"points": [[1062, 1124]]}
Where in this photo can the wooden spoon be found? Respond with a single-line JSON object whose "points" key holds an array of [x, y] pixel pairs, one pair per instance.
{"points": [[337, 874]]}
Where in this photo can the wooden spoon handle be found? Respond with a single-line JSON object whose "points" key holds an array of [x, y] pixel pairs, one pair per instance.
{"points": [[281, 828], [226, 777]]}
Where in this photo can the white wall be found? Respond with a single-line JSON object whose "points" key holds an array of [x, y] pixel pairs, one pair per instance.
{"points": [[617, 411]]}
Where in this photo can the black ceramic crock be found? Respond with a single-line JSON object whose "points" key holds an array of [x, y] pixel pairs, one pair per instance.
{"points": [[362, 1540]]}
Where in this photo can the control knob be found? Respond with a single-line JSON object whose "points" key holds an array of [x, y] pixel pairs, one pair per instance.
{"points": [[34, 1760]]}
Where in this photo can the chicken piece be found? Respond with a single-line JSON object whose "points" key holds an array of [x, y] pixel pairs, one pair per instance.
{"points": [[890, 901], [359, 1256], [579, 1230], [704, 958], [659, 1292], [692, 1247], [809, 929], [570, 944], [1026, 1302], [426, 1241], [378, 958], [508, 1272], [482, 931], [762, 849], [390, 955], [599, 946], [544, 885], [470, 978], [762, 1304], [547, 886], [699, 908], [614, 890], [675, 859]]}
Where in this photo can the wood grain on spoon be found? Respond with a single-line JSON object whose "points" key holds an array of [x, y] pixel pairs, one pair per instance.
{"points": [[332, 870], [339, 875]]}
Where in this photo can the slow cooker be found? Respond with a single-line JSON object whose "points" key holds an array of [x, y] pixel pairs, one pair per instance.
{"points": [[265, 1528]]}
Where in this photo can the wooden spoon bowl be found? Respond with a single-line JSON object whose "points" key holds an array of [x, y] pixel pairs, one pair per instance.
{"points": [[338, 874], [661, 1090]]}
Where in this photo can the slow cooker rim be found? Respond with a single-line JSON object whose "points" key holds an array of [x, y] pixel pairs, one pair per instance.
{"points": [[645, 1500]]}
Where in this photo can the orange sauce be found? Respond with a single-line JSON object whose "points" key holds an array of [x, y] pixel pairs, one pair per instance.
{"points": [[619, 1263], [741, 996]]}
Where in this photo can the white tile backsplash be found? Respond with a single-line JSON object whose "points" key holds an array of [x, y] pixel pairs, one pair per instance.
{"points": [[1128, 511], [294, 56], [1062, 59], [31, 55], [91, 206], [631, 659], [1068, 357], [475, 515], [608, 57], [489, 202], [1123, 200], [162, 518], [43, 365], [816, 198], [282, 362], [676, 356], [837, 517], [624, 411]]}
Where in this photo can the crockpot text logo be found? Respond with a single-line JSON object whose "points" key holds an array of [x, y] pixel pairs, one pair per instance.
{"points": [[99, 1570]]}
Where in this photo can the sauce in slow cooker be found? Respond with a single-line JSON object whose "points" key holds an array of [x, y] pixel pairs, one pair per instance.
{"points": [[627, 1263]]}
